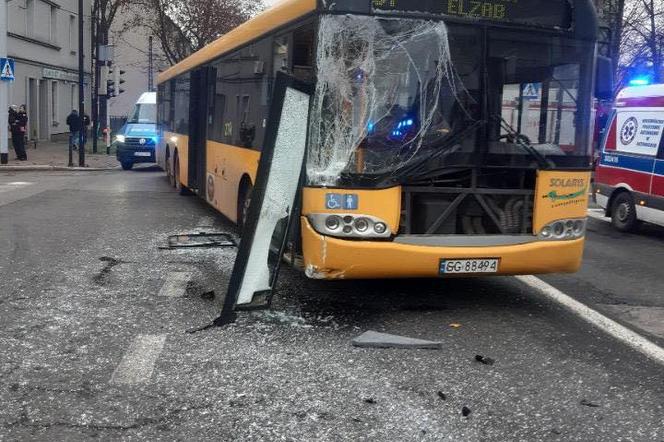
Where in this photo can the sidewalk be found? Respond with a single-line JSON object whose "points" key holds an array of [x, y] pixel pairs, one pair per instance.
{"points": [[55, 156]]}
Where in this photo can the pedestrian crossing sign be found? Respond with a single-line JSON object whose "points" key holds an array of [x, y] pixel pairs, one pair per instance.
{"points": [[7, 72], [531, 91]]}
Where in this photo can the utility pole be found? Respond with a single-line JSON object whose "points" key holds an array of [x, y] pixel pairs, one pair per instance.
{"points": [[94, 96], [4, 87], [150, 65], [81, 84]]}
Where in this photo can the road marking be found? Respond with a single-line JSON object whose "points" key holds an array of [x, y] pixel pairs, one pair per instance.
{"points": [[175, 285], [138, 362], [609, 326], [206, 221]]}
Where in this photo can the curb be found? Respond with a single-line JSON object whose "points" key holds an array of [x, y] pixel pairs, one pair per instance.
{"points": [[54, 169]]}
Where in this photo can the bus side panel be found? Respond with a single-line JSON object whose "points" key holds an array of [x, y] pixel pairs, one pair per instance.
{"points": [[226, 165]]}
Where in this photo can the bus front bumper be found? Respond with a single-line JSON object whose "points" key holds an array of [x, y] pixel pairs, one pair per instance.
{"points": [[333, 258]]}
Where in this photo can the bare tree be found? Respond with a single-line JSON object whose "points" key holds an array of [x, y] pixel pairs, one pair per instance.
{"points": [[185, 26], [642, 39]]}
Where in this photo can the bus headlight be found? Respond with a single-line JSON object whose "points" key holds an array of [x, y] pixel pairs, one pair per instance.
{"points": [[345, 225], [120, 138], [566, 229]]}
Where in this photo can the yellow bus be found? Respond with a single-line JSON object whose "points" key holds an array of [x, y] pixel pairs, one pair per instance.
{"points": [[446, 137]]}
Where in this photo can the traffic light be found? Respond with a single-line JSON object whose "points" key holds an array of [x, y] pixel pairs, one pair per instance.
{"points": [[113, 82]]}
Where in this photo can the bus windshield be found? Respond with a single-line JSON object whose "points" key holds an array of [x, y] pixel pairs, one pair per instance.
{"points": [[145, 113], [401, 99]]}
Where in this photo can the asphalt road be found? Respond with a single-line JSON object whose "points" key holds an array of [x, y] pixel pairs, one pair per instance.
{"points": [[94, 342]]}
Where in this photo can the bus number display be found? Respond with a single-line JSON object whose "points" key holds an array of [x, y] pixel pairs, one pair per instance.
{"points": [[548, 13]]}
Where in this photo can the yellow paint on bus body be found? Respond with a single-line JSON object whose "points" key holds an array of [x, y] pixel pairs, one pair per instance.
{"points": [[227, 165], [560, 195], [333, 258], [280, 14], [382, 203], [179, 143]]}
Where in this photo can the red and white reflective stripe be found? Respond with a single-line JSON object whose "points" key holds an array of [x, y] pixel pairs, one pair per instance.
{"points": [[640, 102]]}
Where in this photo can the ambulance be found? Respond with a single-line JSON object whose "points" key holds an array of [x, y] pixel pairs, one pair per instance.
{"points": [[629, 179]]}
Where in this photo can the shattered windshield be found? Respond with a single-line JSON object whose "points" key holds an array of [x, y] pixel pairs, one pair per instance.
{"points": [[398, 98], [386, 88]]}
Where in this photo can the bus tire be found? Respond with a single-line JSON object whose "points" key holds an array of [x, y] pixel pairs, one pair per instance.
{"points": [[623, 212], [243, 202], [170, 172], [182, 190], [127, 165]]}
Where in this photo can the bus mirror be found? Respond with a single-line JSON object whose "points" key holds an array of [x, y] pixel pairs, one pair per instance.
{"points": [[604, 79]]}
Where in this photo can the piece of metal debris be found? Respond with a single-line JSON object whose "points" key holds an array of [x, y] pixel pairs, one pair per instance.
{"points": [[200, 239], [484, 360], [373, 339], [587, 403]]}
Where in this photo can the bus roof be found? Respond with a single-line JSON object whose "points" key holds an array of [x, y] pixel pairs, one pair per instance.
{"points": [[280, 14]]}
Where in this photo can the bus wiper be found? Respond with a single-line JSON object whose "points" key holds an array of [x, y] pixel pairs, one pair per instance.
{"points": [[523, 142]]}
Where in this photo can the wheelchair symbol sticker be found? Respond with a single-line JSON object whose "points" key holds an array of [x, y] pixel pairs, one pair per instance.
{"points": [[333, 201]]}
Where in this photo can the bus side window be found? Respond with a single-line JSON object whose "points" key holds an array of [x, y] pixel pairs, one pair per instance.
{"points": [[303, 53], [280, 59]]}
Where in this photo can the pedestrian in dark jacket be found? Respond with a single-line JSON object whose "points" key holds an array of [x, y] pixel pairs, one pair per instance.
{"points": [[18, 123], [75, 126]]}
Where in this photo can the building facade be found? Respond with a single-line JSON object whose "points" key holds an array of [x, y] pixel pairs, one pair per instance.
{"points": [[131, 49], [43, 39]]}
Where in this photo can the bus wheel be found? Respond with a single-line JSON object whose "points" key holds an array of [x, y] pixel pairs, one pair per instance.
{"points": [[623, 213], [243, 203], [170, 173], [127, 165], [176, 176]]}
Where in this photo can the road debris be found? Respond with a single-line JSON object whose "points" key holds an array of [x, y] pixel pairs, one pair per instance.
{"points": [[455, 325], [465, 411], [442, 395], [484, 360], [200, 239], [587, 403], [370, 400], [373, 339]]}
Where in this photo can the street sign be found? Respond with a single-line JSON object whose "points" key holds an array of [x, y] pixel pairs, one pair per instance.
{"points": [[531, 91], [7, 69]]}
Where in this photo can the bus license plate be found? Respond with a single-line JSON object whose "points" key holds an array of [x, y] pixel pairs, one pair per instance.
{"points": [[466, 266], [142, 154]]}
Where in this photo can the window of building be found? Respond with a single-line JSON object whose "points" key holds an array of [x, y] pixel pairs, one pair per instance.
{"points": [[54, 102], [29, 17], [73, 34], [54, 25], [74, 97]]}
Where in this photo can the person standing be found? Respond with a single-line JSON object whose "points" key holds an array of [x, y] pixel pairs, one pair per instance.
{"points": [[75, 126], [19, 129]]}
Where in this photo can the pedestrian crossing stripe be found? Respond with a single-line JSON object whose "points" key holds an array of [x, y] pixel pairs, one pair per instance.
{"points": [[7, 72]]}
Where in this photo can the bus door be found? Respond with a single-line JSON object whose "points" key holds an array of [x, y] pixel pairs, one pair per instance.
{"points": [[202, 87]]}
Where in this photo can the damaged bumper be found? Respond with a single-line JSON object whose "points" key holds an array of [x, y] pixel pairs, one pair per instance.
{"points": [[332, 258]]}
